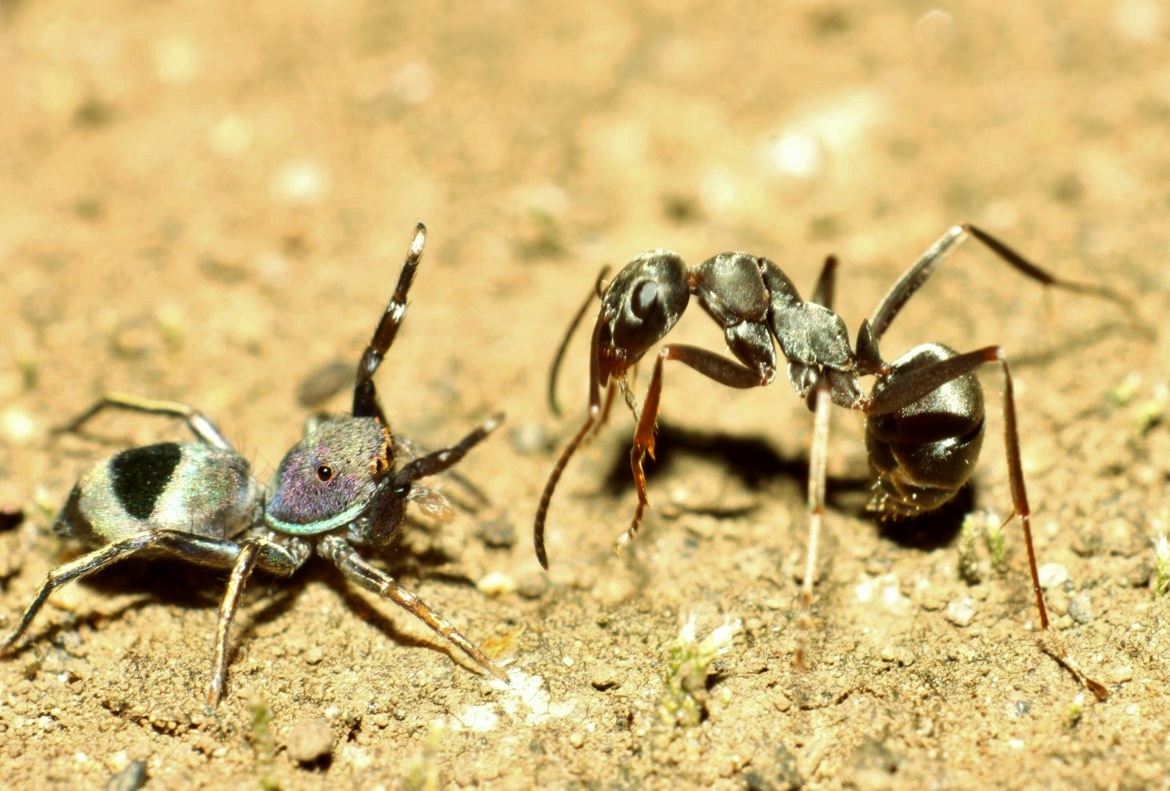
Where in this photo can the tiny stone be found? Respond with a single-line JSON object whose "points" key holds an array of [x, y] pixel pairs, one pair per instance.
{"points": [[1140, 573], [932, 601], [497, 533], [496, 583], [131, 777], [1122, 537], [532, 586], [961, 612], [1081, 608], [897, 654], [314, 655], [310, 741], [1057, 602], [1052, 575], [577, 739]]}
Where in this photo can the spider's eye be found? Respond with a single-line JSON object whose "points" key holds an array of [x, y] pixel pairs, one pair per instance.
{"points": [[644, 299], [325, 472]]}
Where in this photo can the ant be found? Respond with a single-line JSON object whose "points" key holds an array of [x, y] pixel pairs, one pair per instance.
{"points": [[335, 491], [924, 415]]}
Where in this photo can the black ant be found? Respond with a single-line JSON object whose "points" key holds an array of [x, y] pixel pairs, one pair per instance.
{"points": [[924, 415]]}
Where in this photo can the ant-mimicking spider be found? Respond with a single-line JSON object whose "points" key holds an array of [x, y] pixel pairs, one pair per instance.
{"points": [[924, 415], [337, 490]]}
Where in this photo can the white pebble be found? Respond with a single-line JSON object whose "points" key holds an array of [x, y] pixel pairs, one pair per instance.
{"points": [[961, 612], [1052, 575], [496, 583]]}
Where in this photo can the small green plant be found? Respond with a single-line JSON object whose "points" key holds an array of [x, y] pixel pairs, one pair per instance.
{"points": [[969, 536], [988, 526], [687, 668], [1076, 711], [263, 745], [422, 774], [997, 543], [1151, 412]]}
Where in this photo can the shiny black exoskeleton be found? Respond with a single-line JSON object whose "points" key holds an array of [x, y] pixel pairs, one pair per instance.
{"points": [[924, 413], [338, 489]]}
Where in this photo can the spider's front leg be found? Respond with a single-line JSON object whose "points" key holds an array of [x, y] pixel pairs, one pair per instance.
{"points": [[341, 554]]}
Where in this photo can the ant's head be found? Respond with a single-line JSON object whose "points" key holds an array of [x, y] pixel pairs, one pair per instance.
{"points": [[331, 477], [638, 308]]}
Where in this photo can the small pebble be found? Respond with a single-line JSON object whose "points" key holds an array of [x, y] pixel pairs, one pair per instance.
{"points": [[132, 777], [496, 583], [961, 612], [1140, 572], [1052, 575], [497, 533], [932, 601], [1081, 608], [532, 586], [897, 654], [310, 741]]}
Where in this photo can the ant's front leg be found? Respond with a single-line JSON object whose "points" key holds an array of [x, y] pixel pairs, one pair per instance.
{"points": [[714, 366]]}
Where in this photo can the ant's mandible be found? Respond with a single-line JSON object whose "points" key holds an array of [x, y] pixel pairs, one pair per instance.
{"points": [[924, 415]]}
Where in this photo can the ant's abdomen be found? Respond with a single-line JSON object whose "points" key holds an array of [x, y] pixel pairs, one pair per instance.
{"points": [[921, 455]]}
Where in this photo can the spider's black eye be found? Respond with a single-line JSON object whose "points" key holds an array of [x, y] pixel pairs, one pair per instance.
{"points": [[644, 299], [325, 472]]}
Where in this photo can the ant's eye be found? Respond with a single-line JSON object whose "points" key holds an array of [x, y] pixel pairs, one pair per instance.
{"points": [[645, 298], [325, 472]]}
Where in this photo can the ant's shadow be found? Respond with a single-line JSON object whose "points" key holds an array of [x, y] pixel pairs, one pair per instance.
{"points": [[757, 466]]}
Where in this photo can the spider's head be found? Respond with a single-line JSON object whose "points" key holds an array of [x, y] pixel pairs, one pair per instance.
{"points": [[331, 477]]}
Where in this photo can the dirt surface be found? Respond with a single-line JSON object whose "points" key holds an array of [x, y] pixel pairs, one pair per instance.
{"points": [[210, 203]]}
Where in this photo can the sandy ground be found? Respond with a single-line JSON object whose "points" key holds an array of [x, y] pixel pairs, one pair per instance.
{"points": [[210, 203]]}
